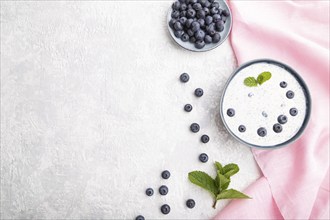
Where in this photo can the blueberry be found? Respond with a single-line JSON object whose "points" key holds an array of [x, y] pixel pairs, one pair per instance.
{"points": [[172, 22], [188, 108], [166, 174], [293, 111], [192, 1], [189, 7], [289, 94], [219, 26], [190, 33], [205, 138], [220, 11], [214, 11], [262, 132], [283, 84], [149, 192], [200, 14], [224, 18], [185, 37], [208, 20], [175, 14], [210, 29], [230, 112], [206, 10], [183, 7], [191, 13], [183, 14], [207, 4], [282, 119], [203, 158], [178, 34], [165, 209], [216, 38], [199, 44], [201, 22], [199, 35], [183, 20], [195, 26], [190, 203], [216, 18], [199, 92], [163, 190], [208, 39], [225, 13], [178, 26], [139, 217], [215, 5], [189, 22], [194, 127], [202, 2], [176, 5], [241, 128], [197, 6], [184, 77], [192, 40], [277, 128]]}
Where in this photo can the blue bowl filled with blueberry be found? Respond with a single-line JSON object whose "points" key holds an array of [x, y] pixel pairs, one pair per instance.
{"points": [[199, 25]]}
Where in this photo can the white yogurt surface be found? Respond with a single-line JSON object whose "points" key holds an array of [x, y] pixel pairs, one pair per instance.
{"points": [[260, 106]]}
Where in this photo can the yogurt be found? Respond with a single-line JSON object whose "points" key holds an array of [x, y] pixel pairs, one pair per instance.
{"points": [[260, 106]]}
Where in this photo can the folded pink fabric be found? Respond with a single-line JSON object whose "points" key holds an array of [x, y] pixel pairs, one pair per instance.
{"points": [[295, 184]]}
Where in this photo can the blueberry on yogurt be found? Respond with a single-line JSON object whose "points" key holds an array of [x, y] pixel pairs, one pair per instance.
{"points": [[188, 108], [293, 111], [283, 84], [262, 132], [282, 119], [241, 128], [190, 203], [290, 94], [139, 217], [203, 158], [166, 174], [194, 127], [277, 128], [149, 192], [205, 138], [230, 112], [163, 190], [165, 209], [184, 77], [199, 92]]}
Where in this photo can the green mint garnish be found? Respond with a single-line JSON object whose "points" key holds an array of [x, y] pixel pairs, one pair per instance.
{"points": [[262, 77], [218, 186]]}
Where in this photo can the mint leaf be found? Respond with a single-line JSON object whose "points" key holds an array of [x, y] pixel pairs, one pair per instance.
{"points": [[230, 169], [203, 180], [222, 181], [218, 166], [263, 77], [250, 82], [232, 194]]}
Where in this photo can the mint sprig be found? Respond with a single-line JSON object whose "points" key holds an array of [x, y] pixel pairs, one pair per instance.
{"points": [[218, 186], [262, 77]]}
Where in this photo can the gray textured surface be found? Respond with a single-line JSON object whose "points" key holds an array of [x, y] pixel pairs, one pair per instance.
{"points": [[91, 112]]}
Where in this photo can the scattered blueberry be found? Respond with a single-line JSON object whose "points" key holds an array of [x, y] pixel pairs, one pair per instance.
{"points": [[199, 92], [277, 128], [188, 108], [184, 77], [149, 192], [139, 217], [230, 112], [293, 111], [194, 127], [262, 132], [163, 190], [190, 203], [165, 209], [282, 119], [203, 158], [241, 128], [283, 84], [289, 94], [199, 44], [205, 138], [166, 174]]}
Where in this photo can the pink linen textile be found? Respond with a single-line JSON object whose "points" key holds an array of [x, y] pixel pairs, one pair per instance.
{"points": [[295, 184]]}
